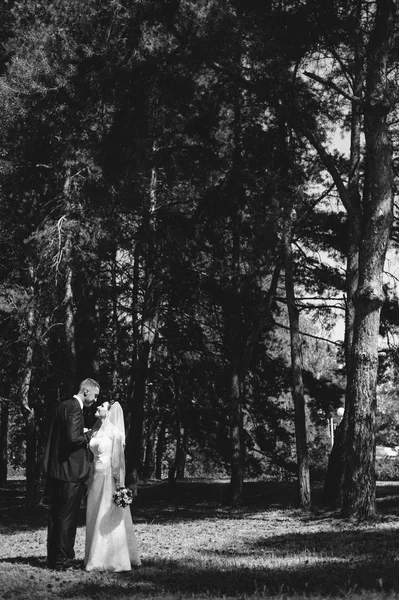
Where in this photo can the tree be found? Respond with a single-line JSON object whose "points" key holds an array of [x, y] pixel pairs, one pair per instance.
{"points": [[359, 481]]}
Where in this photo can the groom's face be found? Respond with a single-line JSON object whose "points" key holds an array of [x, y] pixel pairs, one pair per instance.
{"points": [[90, 395]]}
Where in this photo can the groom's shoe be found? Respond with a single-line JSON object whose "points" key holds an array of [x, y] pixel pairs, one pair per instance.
{"points": [[66, 566]]}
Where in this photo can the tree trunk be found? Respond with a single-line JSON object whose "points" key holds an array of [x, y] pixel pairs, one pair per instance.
{"points": [[159, 452], [32, 332], [296, 368], [149, 461], [359, 476], [136, 417], [236, 435], [69, 324], [96, 360], [69, 305], [333, 485], [265, 316], [181, 456], [148, 332], [234, 325], [115, 324], [4, 421]]}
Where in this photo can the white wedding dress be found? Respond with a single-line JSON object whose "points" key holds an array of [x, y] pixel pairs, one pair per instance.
{"points": [[110, 540]]}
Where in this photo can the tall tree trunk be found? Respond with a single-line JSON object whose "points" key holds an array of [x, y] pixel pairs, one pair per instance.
{"points": [[236, 435], [134, 438], [160, 449], [181, 456], [69, 323], [237, 385], [147, 337], [173, 462], [265, 316], [234, 308], [28, 411], [149, 461], [4, 422], [69, 305], [177, 466], [115, 324], [332, 493], [95, 364], [296, 369], [359, 477]]}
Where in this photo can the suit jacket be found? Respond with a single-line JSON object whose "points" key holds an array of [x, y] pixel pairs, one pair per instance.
{"points": [[67, 456]]}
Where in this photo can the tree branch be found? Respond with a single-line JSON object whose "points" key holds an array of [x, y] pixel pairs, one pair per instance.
{"points": [[331, 167], [315, 337], [332, 85]]}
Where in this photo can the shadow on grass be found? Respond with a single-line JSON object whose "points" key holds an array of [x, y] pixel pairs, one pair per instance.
{"points": [[388, 497], [337, 567], [159, 502], [32, 561], [162, 502]]}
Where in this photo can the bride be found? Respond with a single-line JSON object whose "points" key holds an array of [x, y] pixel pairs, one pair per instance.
{"points": [[110, 540]]}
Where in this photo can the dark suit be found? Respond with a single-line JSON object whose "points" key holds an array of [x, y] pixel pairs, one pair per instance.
{"points": [[66, 464]]}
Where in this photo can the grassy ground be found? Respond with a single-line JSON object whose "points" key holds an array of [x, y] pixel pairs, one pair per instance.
{"points": [[194, 546]]}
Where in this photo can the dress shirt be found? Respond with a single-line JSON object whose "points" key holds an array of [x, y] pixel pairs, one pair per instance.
{"points": [[79, 400]]}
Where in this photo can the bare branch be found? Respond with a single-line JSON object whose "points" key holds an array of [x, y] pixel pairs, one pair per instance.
{"points": [[316, 202], [315, 337], [334, 86]]}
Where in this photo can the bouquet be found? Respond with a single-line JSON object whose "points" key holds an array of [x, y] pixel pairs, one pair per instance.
{"points": [[123, 497]]}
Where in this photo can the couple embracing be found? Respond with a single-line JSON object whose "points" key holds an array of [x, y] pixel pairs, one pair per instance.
{"points": [[110, 540]]}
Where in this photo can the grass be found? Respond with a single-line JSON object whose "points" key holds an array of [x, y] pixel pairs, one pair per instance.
{"points": [[193, 545]]}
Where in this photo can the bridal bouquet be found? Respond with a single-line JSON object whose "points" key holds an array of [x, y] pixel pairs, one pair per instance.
{"points": [[123, 497]]}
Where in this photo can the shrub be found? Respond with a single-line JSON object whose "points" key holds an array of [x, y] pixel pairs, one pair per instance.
{"points": [[387, 469]]}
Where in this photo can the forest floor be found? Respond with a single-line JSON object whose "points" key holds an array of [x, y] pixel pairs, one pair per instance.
{"points": [[193, 545]]}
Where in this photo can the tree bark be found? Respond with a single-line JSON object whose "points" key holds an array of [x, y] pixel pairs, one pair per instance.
{"points": [[359, 476], [96, 359], [141, 360], [333, 485], [236, 435], [149, 461], [69, 324], [160, 448], [28, 411], [4, 421], [234, 309], [304, 496], [181, 456], [69, 305], [115, 324], [177, 469]]}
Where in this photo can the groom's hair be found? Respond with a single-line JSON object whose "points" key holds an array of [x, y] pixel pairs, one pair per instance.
{"points": [[88, 384]]}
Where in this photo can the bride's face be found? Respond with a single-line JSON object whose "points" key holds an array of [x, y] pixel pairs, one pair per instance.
{"points": [[102, 410]]}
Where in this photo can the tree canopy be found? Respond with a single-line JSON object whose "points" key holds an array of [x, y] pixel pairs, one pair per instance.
{"points": [[176, 222]]}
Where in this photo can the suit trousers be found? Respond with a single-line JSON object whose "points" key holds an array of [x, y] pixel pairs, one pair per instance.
{"points": [[63, 521]]}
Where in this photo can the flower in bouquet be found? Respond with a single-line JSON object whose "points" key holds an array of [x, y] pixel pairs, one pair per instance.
{"points": [[123, 497]]}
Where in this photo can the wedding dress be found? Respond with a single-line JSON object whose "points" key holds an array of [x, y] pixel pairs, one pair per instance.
{"points": [[110, 540]]}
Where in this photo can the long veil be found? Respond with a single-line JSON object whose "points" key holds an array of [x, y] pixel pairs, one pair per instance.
{"points": [[114, 425]]}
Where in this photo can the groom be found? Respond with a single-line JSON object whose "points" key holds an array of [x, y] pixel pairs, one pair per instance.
{"points": [[66, 464]]}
